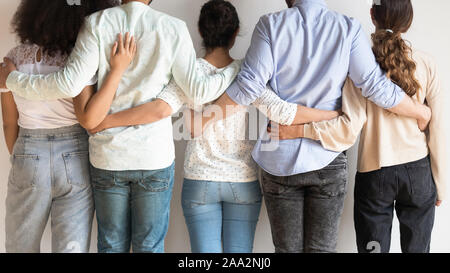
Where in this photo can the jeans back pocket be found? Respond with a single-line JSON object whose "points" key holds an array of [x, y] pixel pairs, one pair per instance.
{"points": [[23, 172], [158, 180], [420, 178], [77, 168]]}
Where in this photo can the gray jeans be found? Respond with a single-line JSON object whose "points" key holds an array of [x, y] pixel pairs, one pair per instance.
{"points": [[305, 210], [49, 176]]}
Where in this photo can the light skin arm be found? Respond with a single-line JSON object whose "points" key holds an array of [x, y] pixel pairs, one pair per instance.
{"points": [[10, 118], [308, 115], [92, 107], [412, 108]]}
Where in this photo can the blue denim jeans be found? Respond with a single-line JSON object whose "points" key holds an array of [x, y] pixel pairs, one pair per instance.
{"points": [[221, 216], [50, 176], [133, 209]]}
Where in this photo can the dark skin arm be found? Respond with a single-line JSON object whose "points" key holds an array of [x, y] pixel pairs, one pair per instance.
{"points": [[92, 107], [140, 115], [10, 117]]}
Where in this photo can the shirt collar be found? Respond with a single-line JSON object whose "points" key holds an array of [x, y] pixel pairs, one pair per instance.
{"points": [[137, 3], [302, 2]]}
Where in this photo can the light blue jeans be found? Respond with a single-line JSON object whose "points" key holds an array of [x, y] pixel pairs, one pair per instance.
{"points": [[49, 176], [221, 216], [133, 209]]}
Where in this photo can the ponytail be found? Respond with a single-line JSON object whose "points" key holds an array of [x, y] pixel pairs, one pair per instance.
{"points": [[394, 56], [394, 17]]}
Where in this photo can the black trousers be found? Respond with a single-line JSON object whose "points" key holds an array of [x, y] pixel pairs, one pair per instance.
{"points": [[410, 189]]}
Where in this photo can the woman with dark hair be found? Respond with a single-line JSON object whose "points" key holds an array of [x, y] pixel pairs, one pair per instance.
{"points": [[50, 161], [399, 167], [221, 195]]}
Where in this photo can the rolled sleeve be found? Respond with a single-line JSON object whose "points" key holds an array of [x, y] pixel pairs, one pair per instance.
{"points": [[275, 108]]}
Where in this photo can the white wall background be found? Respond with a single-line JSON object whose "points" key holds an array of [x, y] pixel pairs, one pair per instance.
{"points": [[429, 33]]}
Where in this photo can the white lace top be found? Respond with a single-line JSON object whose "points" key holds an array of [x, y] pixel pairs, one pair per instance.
{"points": [[42, 114], [222, 154]]}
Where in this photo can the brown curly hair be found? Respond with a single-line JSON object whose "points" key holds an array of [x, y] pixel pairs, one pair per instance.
{"points": [[54, 24], [392, 52]]}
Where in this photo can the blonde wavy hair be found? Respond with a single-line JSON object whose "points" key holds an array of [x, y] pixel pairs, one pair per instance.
{"points": [[393, 53]]}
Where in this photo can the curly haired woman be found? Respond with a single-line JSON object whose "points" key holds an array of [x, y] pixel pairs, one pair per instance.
{"points": [[50, 162]]}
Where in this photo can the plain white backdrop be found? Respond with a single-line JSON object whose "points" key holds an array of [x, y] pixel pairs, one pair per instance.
{"points": [[430, 32]]}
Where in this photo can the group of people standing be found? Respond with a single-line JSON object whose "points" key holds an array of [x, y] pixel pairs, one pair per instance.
{"points": [[87, 120]]}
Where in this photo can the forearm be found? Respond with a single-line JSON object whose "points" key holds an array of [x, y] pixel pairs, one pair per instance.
{"points": [[10, 117], [99, 105], [308, 115], [409, 107], [144, 114], [11, 133]]}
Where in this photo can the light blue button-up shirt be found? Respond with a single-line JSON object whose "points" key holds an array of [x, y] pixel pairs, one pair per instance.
{"points": [[305, 53]]}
